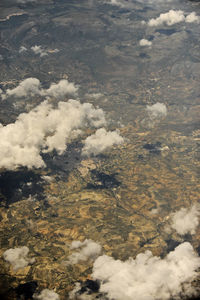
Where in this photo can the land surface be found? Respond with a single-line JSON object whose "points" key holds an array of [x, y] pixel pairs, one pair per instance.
{"points": [[123, 198]]}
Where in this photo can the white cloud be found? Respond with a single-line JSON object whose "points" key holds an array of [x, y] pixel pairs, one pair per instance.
{"points": [[25, 1], [156, 111], [60, 89], [22, 49], [94, 96], [44, 129], [53, 50], [170, 18], [186, 220], [154, 211], [192, 17], [17, 257], [147, 276], [46, 294], [88, 250], [173, 17], [47, 178], [39, 50], [101, 141], [32, 87], [27, 87], [116, 2], [155, 1], [74, 294], [145, 42]]}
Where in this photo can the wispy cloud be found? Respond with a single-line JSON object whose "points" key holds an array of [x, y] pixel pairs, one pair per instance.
{"points": [[85, 250], [157, 110]]}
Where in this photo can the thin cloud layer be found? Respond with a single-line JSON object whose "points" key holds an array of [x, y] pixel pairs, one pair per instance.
{"points": [[46, 294], [86, 250], [147, 276], [44, 129], [17, 257], [101, 141], [32, 87], [186, 220], [173, 17]]}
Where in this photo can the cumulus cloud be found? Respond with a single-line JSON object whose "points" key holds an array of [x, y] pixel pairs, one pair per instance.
{"points": [[60, 89], [38, 50], [170, 18], [101, 141], [173, 17], [156, 111], [27, 87], [17, 257], [46, 294], [192, 17], [87, 249], [44, 129], [32, 87], [145, 42], [186, 220], [147, 276]]}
